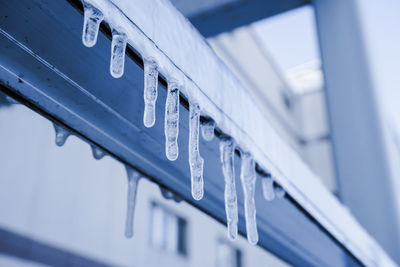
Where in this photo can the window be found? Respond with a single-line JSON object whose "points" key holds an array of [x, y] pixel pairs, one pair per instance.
{"points": [[227, 255], [167, 230]]}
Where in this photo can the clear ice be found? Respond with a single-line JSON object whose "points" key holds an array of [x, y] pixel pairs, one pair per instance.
{"points": [[171, 124], [150, 92], [167, 194], [196, 162], [97, 152], [133, 181], [207, 129], [227, 150], [12, 100], [91, 22], [279, 191], [118, 46], [268, 188], [248, 179], [61, 134]]}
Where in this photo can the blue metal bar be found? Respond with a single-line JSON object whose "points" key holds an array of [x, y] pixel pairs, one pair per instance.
{"points": [[232, 15]]}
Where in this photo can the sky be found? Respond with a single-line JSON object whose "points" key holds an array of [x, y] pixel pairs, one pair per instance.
{"points": [[290, 37]]}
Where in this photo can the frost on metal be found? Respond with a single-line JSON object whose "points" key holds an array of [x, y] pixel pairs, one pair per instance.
{"points": [[155, 29]]}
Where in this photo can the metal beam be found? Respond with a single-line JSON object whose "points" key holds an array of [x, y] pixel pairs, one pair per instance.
{"points": [[44, 65], [234, 14], [364, 177]]}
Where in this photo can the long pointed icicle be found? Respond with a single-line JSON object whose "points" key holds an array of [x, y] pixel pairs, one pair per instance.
{"points": [[118, 46], [91, 22], [227, 149], [150, 92], [133, 181], [268, 188], [196, 162], [171, 124], [207, 129], [248, 179], [61, 134]]}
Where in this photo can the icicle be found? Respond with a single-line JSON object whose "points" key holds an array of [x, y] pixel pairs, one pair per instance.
{"points": [[12, 100], [61, 135], [118, 46], [227, 149], [167, 194], [171, 124], [268, 188], [150, 92], [195, 160], [248, 178], [279, 191], [91, 22], [207, 129], [97, 152], [133, 180]]}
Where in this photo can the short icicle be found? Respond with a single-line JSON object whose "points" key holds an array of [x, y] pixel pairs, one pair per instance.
{"points": [[196, 162], [91, 22], [207, 129], [118, 46], [227, 149], [167, 194], [279, 191], [97, 152], [61, 134], [133, 181], [12, 100], [248, 179], [268, 188], [150, 92], [171, 123]]}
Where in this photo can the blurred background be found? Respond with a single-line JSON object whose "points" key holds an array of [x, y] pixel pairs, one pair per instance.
{"points": [[325, 74]]}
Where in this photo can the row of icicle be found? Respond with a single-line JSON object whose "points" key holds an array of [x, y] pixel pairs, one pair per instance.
{"points": [[92, 19]]}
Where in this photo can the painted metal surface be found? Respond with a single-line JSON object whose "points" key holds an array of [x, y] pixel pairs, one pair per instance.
{"points": [[231, 15]]}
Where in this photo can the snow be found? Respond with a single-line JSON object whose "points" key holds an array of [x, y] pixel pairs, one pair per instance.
{"points": [[156, 29]]}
